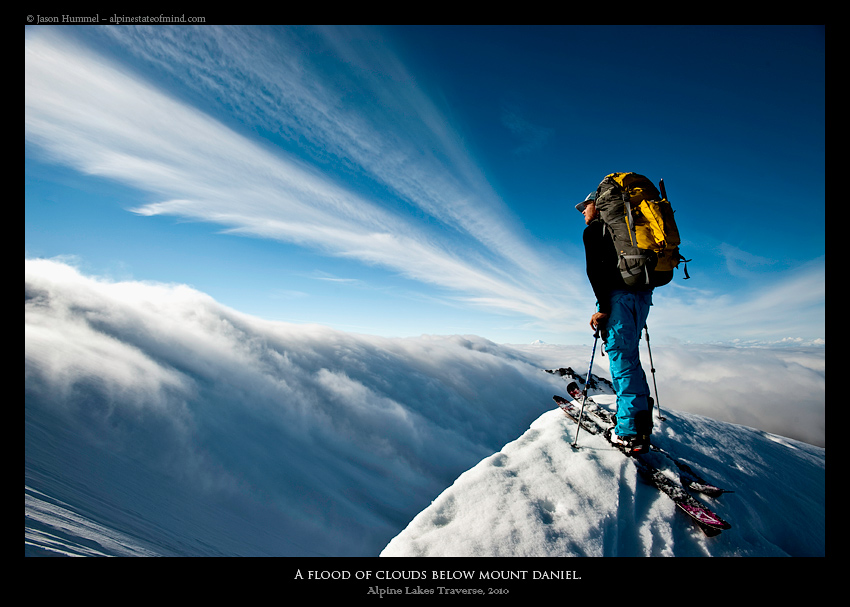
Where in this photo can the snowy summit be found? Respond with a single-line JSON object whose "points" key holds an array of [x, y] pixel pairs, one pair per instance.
{"points": [[539, 496]]}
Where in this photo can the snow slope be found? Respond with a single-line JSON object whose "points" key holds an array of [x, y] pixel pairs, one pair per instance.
{"points": [[540, 497], [158, 422]]}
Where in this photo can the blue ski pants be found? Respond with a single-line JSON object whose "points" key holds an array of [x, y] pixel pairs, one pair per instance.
{"points": [[621, 336]]}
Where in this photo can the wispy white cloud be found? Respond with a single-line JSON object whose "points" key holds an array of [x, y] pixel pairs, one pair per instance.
{"points": [[741, 263], [780, 306], [343, 94], [95, 117], [318, 275], [425, 209]]}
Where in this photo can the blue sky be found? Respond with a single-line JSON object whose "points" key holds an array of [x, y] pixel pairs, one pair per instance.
{"points": [[410, 179]]}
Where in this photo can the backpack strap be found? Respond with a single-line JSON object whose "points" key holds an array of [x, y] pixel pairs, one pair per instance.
{"points": [[627, 203], [685, 261]]}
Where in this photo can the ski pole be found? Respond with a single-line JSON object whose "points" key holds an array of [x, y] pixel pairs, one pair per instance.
{"points": [[652, 368], [584, 394]]}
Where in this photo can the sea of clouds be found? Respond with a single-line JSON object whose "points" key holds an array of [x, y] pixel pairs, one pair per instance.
{"points": [[149, 398]]}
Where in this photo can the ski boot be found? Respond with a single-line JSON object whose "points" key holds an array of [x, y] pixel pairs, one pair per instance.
{"points": [[630, 445]]}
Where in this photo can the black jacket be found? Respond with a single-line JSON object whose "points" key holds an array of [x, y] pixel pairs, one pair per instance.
{"points": [[602, 264]]}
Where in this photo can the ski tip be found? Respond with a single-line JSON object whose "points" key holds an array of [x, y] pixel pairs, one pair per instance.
{"points": [[707, 520], [706, 489]]}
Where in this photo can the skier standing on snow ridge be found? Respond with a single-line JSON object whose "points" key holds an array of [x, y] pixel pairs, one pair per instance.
{"points": [[620, 317]]}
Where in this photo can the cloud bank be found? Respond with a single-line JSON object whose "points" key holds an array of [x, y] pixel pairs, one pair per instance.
{"points": [[305, 439], [319, 429]]}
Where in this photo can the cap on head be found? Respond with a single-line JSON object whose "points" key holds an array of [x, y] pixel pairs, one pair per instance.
{"points": [[590, 198]]}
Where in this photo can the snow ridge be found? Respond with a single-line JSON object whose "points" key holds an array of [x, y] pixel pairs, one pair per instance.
{"points": [[540, 497]]}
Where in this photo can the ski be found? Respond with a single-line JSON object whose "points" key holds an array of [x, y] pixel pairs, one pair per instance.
{"points": [[573, 413], [691, 479], [687, 475], [567, 372], [601, 413], [710, 523]]}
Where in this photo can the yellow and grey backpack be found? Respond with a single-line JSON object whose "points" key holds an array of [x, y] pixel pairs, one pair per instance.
{"points": [[640, 221]]}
